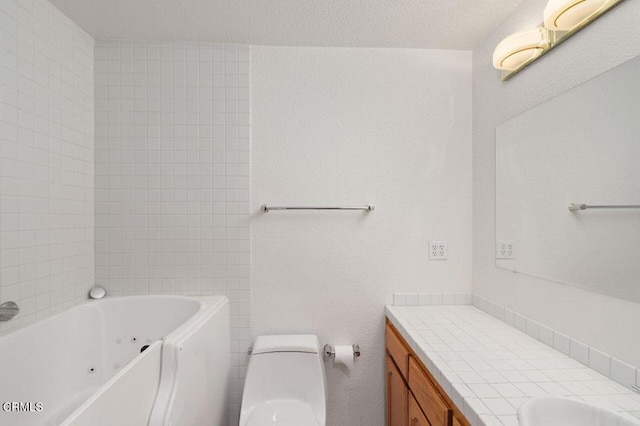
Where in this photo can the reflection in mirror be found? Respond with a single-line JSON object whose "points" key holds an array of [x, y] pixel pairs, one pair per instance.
{"points": [[581, 147]]}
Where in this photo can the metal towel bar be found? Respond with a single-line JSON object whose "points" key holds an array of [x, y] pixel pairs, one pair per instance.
{"points": [[368, 208], [575, 207]]}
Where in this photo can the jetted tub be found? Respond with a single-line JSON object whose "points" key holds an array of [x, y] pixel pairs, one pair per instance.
{"points": [[157, 360]]}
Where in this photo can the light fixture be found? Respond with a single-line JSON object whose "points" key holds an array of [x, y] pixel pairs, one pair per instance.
{"points": [[520, 48], [565, 15], [562, 19]]}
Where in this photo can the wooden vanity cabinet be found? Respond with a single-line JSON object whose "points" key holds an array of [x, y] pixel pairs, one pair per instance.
{"points": [[397, 395], [411, 385], [396, 378], [416, 416], [398, 350], [427, 396]]}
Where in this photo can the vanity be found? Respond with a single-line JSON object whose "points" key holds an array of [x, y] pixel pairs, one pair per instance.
{"points": [[413, 395], [456, 365]]}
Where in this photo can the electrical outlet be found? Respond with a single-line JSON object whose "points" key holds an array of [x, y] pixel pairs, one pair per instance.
{"points": [[438, 250], [505, 249]]}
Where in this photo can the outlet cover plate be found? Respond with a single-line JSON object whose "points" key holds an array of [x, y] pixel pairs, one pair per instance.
{"points": [[438, 250], [505, 249]]}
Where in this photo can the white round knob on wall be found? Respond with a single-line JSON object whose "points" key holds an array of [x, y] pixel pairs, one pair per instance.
{"points": [[97, 292]]}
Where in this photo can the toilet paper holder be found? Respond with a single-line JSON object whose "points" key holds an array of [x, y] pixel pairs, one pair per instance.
{"points": [[329, 351]]}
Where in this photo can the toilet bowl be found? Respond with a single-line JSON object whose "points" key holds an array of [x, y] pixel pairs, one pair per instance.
{"points": [[285, 383]]}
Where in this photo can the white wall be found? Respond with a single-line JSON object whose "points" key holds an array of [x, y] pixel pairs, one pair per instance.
{"points": [[46, 159], [172, 176], [603, 322], [333, 126]]}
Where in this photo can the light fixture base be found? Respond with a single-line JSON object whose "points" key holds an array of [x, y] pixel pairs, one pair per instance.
{"points": [[556, 38]]}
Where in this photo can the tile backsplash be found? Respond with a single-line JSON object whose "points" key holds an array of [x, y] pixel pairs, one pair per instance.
{"points": [[426, 299], [46, 159], [173, 175], [605, 364]]}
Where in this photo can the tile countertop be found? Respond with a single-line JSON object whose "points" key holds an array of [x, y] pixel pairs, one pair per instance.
{"points": [[489, 368]]}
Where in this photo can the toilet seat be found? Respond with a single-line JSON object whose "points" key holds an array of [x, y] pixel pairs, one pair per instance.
{"points": [[283, 413]]}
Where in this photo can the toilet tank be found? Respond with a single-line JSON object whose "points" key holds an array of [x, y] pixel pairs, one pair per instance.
{"points": [[286, 368]]}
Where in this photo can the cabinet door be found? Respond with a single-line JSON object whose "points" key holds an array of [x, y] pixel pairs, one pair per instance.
{"points": [[397, 395], [398, 350], [436, 408], [416, 416]]}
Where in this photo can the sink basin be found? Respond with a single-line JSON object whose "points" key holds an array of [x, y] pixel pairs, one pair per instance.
{"points": [[552, 411]]}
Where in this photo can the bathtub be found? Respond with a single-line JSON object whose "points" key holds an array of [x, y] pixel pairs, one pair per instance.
{"points": [[157, 360]]}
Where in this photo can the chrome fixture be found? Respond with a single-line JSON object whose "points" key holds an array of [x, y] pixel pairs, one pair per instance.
{"points": [[575, 207], [329, 351], [367, 208], [8, 310], [97, 292]]}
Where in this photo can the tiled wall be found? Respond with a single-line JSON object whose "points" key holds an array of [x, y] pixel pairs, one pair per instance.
{"points": [[172, 175], [46, 159]]}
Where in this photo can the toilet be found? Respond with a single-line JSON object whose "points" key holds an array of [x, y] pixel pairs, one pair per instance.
{"points": [[285, 383]]}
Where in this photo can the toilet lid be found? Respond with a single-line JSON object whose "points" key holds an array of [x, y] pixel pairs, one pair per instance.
{"points": [[307, 343], [283, 413]]}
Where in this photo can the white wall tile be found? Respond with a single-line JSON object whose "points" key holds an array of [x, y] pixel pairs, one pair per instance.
{"points": [[46, 160], [412, 299], [399, 299], [533, 328], [562, 343], [546, 335], [171, 211], [520, 322], [622, 372], [448, 299], [479, 302], [462, 298], [600, 362], [509, 317], [424, 299], [579, 351]]}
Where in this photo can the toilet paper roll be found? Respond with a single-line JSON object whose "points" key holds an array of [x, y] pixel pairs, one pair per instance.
{"points": [[344, 355]]}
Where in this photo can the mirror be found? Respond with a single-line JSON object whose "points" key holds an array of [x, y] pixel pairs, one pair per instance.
{"points": [[581, 147]]}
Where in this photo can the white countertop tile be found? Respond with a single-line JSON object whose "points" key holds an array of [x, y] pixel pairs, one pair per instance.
{"points": [[489, 368]]}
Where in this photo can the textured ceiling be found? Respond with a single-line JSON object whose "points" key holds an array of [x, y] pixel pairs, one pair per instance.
{"points": [[437, 24]]}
